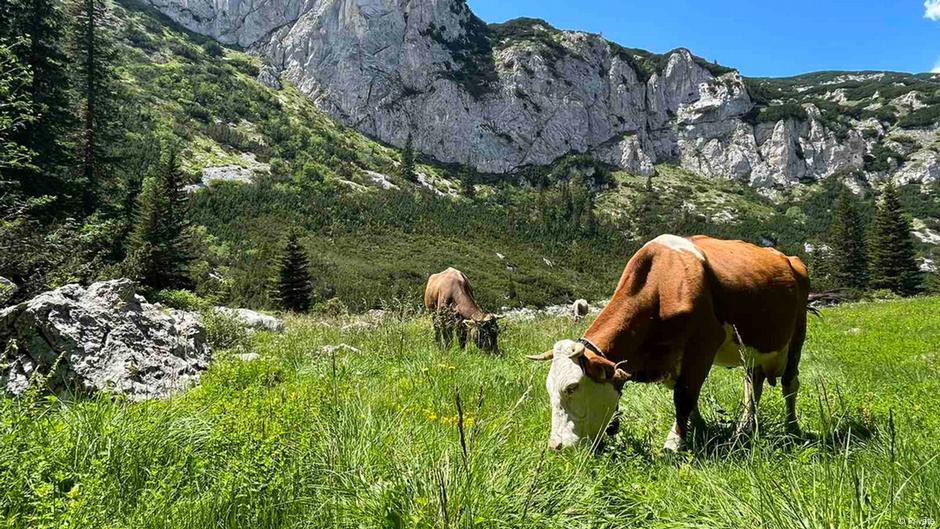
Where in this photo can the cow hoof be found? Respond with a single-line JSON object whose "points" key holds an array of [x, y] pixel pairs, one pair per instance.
{"points": [[674, 443], [613, 428]]}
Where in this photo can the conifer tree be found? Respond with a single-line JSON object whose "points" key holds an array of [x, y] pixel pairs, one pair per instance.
{"points": [[294, 284], [160, 249], [16, 110], [408, 162], [467, 182], [40, 25], [893, 265], [93, 48], [848, 260]]}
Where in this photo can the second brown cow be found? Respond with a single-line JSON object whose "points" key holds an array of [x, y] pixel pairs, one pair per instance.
{"points": [[449, 297]]}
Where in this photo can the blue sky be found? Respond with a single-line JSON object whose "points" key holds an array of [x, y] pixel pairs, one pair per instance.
{"points": [[759, 37]]}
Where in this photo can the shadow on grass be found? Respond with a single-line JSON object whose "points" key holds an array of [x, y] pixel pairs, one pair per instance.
{"points": [[718, 440]]}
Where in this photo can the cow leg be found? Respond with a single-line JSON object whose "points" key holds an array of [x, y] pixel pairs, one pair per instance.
{"points": [[462, 335], [790, 389], [698, 423], [685, 398], [696, 363], [753, 387], [791, 376]]}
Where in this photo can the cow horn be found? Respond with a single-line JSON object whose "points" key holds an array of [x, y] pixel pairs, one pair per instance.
{"points": [[620, 376], [547, 355], [468, 322]]}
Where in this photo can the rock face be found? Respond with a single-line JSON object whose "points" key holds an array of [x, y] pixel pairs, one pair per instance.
{"points": [[101, 338], [523, 93]]}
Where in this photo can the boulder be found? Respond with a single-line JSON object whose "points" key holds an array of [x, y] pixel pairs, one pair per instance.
{"points": [[252, 320], [101, 338]]}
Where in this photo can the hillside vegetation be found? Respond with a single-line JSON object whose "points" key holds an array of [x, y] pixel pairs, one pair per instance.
{"points": [[556, 227], [399, 434], [542, 235]]}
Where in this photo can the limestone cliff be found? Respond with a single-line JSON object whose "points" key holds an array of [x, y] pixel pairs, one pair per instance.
{"points": [[522, 93]]}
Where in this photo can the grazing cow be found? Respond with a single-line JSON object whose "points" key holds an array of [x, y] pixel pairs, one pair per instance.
{"points": [[449, 296], [681, 306], [579, 309]]}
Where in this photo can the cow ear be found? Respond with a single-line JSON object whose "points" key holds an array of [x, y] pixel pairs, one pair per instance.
{"points": [[602, 370], [597, 368]]}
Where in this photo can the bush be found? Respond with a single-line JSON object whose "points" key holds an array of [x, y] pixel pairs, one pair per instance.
{"points": [[182, 300], [924, 117], [331, 308], [224, 332]]}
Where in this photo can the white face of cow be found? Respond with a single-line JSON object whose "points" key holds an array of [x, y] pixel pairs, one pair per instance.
{"points": [[581, 407]]}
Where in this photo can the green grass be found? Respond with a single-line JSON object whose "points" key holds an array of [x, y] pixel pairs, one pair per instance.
{"points": [[372, 439]]}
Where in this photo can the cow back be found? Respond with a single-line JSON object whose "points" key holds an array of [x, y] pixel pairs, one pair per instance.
{"points": [[761, 291]]}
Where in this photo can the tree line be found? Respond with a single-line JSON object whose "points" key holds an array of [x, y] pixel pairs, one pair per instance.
{"points": [[858, 258], [91, 186]]}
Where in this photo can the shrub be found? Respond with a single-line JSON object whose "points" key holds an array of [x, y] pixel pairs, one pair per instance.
{"points": [[224, 332], [182, 300], [924, 117], [331, 308]]}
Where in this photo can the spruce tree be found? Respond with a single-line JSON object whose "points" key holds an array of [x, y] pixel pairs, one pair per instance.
{"points": [[294, 285], [16, 110], [408, 162], [893, 265], [40, 24], [160, 249], [848, 260], [93, 48]]}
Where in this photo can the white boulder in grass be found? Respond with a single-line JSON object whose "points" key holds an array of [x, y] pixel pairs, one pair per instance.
{"points": [[251, 319], [101, 338]]}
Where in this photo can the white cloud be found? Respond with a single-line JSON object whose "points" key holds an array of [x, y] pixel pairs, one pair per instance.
{"points": [[936, 67], [932, 8]]}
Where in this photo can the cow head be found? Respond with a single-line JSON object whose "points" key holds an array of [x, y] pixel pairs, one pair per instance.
{"points": [[584, 390], [484, 332]]}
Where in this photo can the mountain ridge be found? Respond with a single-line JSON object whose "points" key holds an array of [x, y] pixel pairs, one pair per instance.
{"points": [[503, 96]]}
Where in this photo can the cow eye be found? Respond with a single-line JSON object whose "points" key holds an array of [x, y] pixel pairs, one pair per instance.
{"points": [[571, 388]]}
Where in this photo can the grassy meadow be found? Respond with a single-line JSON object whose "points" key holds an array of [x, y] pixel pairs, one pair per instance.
{"points": [[400, 434]]}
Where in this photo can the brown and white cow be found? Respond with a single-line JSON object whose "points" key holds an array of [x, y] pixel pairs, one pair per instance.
{"points": [[682, 305], [448, 295]]}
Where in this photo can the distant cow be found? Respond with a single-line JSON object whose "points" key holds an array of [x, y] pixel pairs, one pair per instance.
{"points": [[448, 295], [681, 306], [579, 309]]}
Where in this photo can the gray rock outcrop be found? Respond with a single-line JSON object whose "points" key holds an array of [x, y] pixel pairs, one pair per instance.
{"points": [[101, 338], [523, 93]]}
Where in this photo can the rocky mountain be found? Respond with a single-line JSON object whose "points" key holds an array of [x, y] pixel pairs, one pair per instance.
{"points": [[504, 96]]}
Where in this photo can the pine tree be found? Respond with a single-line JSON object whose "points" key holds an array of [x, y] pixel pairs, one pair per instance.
{"points": [[160, 249], [93, 47], [408, 162], [848, 261], [893, 265], [294, 285]]}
